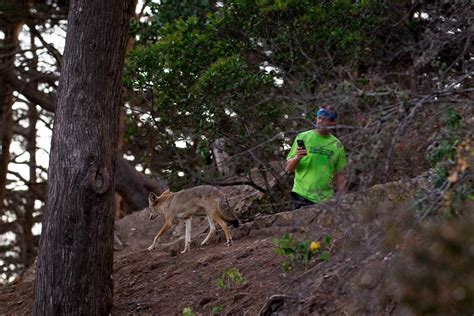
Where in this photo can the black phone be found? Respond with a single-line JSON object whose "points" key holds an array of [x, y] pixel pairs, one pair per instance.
{"points": [[300, 143]]}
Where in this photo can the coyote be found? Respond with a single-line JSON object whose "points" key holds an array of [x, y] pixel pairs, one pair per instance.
{"points": [[200, 201]]}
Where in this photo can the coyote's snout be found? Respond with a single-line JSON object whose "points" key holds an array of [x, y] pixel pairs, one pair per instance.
{"points": [[152, 215], [198, 201]]}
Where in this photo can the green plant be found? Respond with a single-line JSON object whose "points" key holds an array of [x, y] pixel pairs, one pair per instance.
{"points": [[216, 310], [301, 251], [229, 278], [187, 311]]}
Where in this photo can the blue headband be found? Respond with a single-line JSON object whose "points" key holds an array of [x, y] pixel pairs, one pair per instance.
{"points": [[326, 113]]}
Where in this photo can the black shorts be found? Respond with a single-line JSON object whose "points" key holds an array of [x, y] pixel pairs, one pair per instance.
{"points": [[298, 201]]}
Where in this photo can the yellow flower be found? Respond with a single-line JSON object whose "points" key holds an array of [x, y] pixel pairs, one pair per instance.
{"points": [[315, 245]]}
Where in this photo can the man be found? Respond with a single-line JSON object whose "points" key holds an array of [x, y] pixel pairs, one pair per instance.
{"points": [[318, 159]]}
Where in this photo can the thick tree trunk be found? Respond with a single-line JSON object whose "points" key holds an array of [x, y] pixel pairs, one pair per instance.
{"points": [[74, 272]]}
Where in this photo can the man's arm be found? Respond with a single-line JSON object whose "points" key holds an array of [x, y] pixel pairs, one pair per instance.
{"points": [[341, 182], [292, 163]]}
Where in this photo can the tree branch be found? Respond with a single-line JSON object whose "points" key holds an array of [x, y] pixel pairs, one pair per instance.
{"points": [[35, 96], [56, 54]]}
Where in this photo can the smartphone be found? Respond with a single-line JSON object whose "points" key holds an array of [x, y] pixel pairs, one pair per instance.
{"points": [[300, 143]]}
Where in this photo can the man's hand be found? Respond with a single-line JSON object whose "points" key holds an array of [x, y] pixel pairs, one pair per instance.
{"points": [[300, 153]]}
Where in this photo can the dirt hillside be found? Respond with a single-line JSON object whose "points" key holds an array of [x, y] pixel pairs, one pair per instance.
{"points": [[355, 280]]}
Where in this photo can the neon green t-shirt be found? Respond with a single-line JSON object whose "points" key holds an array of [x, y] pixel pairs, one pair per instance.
{"points": [[315, 172]]}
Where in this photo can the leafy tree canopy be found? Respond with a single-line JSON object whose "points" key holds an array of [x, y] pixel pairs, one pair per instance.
{"points": [[228, 69]]}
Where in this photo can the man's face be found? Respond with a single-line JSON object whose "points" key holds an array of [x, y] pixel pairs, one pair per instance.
{"points": [[324, 124]]}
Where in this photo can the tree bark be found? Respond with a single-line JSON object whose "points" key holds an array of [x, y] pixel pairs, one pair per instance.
{"points": [[74, 272]]}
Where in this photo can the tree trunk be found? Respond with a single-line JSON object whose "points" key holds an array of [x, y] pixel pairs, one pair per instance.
{"points": [[15, 11], [74, 273], [5, 137], [134, 187], [29, 248]]}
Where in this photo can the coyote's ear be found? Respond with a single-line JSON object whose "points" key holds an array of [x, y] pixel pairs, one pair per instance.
{"points": [[152, 197], [166, 192]]}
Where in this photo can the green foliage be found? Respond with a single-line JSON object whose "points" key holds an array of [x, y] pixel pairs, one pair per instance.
{"points": [[342, 28], [164, 13], [216, 310], [449, 157], [230, 277], [300, 252], [442, 154], [202, 90], [187, 311]]}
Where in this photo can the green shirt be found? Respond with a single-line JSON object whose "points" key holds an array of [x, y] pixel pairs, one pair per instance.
{"points": [[315, 172]]}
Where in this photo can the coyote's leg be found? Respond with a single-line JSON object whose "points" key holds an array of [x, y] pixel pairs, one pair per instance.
{"points": [[163, 229], [212, 230], [222, 224], [187, 236]]}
